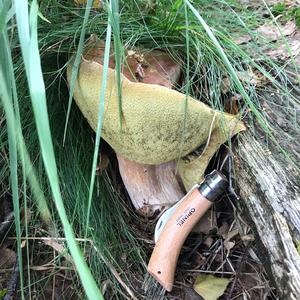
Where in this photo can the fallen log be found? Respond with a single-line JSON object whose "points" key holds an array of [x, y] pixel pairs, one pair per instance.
{"points": [[270, 195]]}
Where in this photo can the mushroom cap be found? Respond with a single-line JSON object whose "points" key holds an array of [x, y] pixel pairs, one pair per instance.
{"points": [[158, 124]]}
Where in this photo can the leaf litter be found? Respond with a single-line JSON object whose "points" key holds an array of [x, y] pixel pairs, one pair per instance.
{"points": [[283, 52], [279, 38], [272, 32]]}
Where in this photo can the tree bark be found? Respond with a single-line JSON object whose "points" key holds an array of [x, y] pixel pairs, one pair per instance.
{"points": [[270, 194]]}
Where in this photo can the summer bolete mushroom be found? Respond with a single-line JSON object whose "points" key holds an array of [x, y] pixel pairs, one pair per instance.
{"points": [[156, 129]]}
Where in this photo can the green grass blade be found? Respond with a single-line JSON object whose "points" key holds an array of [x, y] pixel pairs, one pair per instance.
{"points": [[4, 7], [28, 171], [6, 96], [11, 124], [187, 76], [187, 81], [6, 56], [76, 64], [22, 24], [100, 119], [37, 92], [230, 68], [115, 23], [261, 120]]}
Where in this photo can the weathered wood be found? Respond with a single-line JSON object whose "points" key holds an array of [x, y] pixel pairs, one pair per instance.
{"points": [[270, 194], [269, 187]]}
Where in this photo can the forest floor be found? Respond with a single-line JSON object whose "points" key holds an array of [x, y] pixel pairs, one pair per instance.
{"points": [[216, 260]]}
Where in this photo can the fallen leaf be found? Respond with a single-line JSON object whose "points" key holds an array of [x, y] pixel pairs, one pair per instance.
{"points": [[223, 230], [249, 77], [283, 52], [227, 236], [208, 242], [232, 234], [130, 52], [244, 39], [96, 3], [104, 162], [272, 32], [7, 258], [59, 247], [231, 104], [23, 244], [210, 287], [155, 67], [247, 237], [3, 293], [228, 245]]}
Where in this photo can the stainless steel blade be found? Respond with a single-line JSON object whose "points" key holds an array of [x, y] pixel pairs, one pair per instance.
{"points": [[166, 216]]}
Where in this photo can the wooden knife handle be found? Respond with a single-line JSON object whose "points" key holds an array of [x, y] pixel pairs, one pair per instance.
{"points": [[163, 261]]}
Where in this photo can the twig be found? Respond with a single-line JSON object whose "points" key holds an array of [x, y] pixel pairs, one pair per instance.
{"points": [[230, 187], [109, 265], [115, 273], [209, 134], [228, 159], [238, 272]]}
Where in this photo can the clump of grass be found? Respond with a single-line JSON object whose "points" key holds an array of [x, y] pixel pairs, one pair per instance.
{"points": [[292, 13], [278, 8]]}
